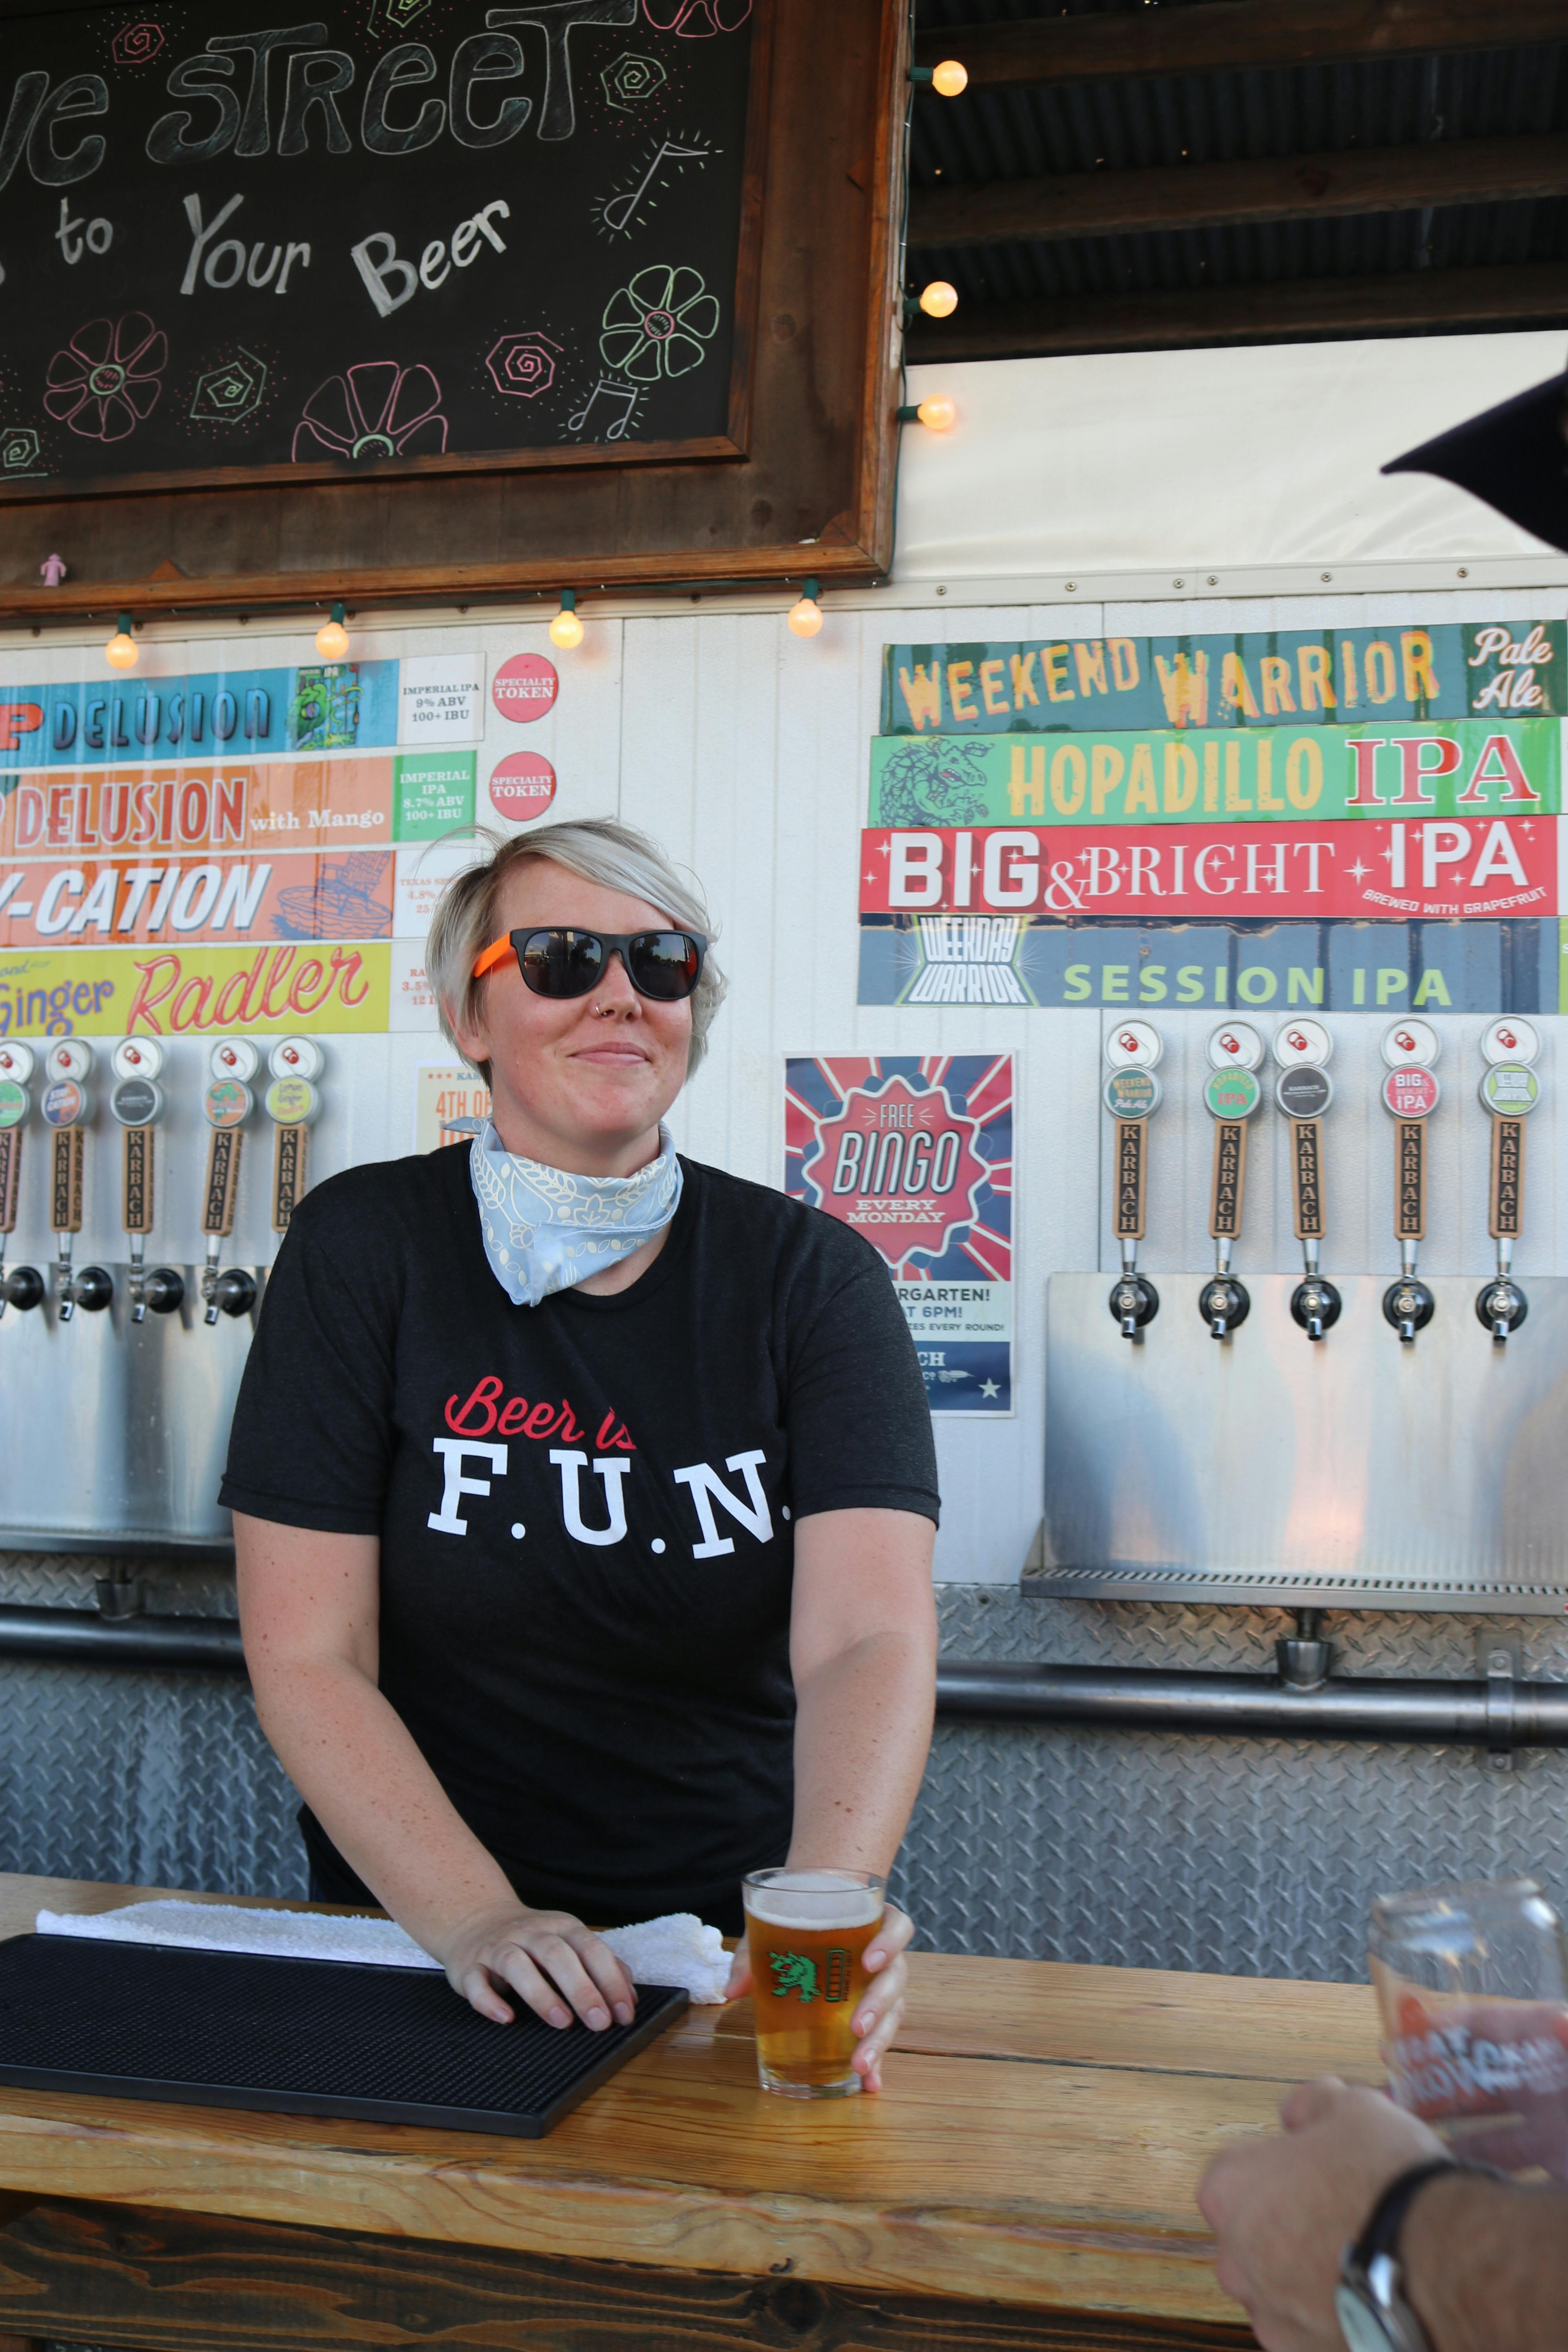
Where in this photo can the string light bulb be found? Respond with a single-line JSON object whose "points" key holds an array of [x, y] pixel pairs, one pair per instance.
{"points": [[806, 614], [566, 629], [939, 299], [332, 638], [123, 652], [936, 412], [948, 80]]}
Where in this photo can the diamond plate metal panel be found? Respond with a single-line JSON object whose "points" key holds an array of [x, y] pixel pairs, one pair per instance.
{"points": [[1248, 1857], [154, 1779], [1251, 1857]]}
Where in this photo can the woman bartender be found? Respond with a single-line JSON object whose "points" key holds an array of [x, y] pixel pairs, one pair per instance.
{"points": [[584, 1495]]}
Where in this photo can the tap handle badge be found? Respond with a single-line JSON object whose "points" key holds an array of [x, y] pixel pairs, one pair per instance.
{"points": [[1133, 1046], [68, 1057], [1510, 1040], [137, 1057], [1235, 1046], [234, 1057], [1303, 1044], [16, 1061], [1412, 1044]]}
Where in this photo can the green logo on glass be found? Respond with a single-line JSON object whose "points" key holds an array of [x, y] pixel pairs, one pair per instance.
{"points": [[1510, 1091], [1231, 1094], [797, 1972]]}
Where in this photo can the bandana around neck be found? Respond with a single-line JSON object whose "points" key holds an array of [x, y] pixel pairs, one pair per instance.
{"points": [[545, 1229]]}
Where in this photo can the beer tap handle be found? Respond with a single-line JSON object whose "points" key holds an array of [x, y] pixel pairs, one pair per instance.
{"points": [[16, 1103], [1410, 1094], [1510, 1091], [1231, 1094], [1303, 1092], [226, 1106], [137, 1102], [1131, 1094], [220, 1191], [293, 1103]]}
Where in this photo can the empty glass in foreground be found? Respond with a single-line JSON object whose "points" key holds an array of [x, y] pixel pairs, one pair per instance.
{"points": [[807, 1933], [1472, 1984]]}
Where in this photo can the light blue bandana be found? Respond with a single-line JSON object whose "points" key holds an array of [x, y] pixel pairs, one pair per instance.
{"points": [[545, 1229]]}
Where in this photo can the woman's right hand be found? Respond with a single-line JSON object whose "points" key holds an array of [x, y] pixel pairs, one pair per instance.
{"points": [[548, 1958]]}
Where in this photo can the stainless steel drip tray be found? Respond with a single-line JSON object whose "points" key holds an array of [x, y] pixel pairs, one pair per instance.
{"points": [[1268, 1467]]}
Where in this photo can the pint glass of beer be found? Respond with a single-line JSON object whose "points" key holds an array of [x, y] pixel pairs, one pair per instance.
{"points": [[807, 1933], [1472, 1982]]}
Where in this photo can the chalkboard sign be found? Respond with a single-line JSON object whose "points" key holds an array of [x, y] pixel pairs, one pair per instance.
{"points": [[406, 235]]}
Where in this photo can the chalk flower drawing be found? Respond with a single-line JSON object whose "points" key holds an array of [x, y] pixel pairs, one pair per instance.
{"points": [[632, 80], [658, 325], [523, 364], [376, 410], [695, 20], [137, 45], [107, 381], [225, 394]]}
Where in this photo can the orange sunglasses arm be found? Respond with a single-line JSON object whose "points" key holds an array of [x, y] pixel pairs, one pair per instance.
{"points": [[497, 953]]}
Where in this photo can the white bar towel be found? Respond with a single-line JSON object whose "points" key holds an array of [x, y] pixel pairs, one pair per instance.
{"points": [[675, 1950]]}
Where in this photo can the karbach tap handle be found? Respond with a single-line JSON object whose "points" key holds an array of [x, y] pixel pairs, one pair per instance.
{"points": [[1230, 1097], [1303, 1093], [226, 1106], [1131, 1096], [137, 1102], [1510, 1091], [1410, 1094], [293, 1103]]}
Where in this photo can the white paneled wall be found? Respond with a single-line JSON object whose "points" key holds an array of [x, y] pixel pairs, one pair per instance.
{"points": [[745, 751]]}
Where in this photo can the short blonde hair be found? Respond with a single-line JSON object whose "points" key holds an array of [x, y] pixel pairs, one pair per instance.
{"points": [[600, 850]]}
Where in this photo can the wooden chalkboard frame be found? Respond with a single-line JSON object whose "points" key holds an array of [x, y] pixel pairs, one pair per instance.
{"points": [[730, 444], [801, 483]]}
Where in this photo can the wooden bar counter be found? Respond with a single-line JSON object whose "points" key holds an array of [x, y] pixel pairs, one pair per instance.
{"points": [[1026, 2178]]}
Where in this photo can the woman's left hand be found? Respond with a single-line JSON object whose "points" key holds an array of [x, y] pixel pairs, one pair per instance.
{"points": [[882, 2005]]}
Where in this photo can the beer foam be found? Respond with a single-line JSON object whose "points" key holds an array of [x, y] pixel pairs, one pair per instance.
{"points": [[815, 1899]]}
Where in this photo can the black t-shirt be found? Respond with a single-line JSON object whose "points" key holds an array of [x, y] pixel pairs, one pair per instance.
{"points": [[585, 1508]]}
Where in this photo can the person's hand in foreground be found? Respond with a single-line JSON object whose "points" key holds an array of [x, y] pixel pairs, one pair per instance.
{"points": [[1284, 2210], [882, 2003], [549, 1959]]}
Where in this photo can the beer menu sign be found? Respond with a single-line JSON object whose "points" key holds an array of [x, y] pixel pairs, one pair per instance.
{"points": [[227, 849], [917, 1156], [1276, 784]]}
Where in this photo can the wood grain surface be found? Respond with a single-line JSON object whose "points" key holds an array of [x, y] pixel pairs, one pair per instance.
{"points": [[181, 2283], [1039, 2146]]}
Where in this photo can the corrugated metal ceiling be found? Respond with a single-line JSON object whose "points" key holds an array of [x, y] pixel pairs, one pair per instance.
{"points": [[1013, 133]]}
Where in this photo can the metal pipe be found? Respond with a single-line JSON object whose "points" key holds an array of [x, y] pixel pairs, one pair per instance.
{"points": [[83, 1637], [1499, 1712]]}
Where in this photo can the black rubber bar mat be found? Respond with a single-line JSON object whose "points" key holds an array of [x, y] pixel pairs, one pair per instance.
{"points": [[297, 2037]]}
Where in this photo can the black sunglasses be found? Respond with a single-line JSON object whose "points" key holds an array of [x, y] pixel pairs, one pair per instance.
{"points": [[556, 961]]}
